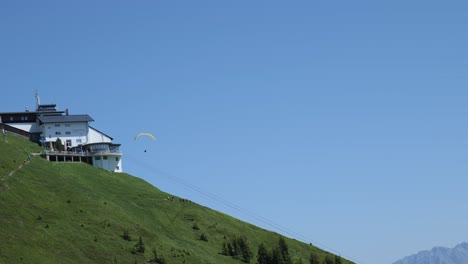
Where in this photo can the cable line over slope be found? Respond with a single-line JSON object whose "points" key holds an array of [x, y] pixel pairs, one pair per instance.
{"points": [[233, 206]]}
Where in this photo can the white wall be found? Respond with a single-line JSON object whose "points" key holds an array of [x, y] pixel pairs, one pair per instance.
{"points": [[76, 132], [95, 136], [108, 162], [81, 133], [28, 127]]}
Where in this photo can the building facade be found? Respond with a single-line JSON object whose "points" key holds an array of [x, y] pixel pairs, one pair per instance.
{"points": [[81, 142]]}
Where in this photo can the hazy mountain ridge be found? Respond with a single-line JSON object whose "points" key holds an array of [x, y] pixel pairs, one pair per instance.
{"points": [[439, 255]]}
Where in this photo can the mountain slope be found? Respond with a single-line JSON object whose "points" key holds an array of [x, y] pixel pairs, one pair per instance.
{"points": [[75, 213], [439, 255]]}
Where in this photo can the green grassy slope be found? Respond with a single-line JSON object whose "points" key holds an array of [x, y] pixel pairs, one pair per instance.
{"points": [[75, 213]]}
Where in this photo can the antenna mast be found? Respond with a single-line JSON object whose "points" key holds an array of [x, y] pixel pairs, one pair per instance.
{"points": [[38, 100]]}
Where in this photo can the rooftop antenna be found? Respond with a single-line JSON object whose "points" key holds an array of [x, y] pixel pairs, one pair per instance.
{"points": [[38, 100]]}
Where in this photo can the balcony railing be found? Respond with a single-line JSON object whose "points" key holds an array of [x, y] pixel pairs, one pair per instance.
{"points": [[68, 153], [105, 152], [81, 153]]}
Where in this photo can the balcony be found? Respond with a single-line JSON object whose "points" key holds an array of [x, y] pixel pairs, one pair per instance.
{"points": [[83, 153], [66, 153], [105, 152]]}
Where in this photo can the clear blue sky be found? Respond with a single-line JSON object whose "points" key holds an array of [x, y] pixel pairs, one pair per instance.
{"points": [[343, 121]]}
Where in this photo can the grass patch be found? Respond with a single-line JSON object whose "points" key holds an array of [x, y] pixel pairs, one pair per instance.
{"points": [[75, 213]]}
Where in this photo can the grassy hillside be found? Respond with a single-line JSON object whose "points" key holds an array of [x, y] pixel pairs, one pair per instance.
{"points": [[75, 213]]}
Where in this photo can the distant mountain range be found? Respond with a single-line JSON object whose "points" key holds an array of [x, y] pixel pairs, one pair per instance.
{"points": [[439, 255]]}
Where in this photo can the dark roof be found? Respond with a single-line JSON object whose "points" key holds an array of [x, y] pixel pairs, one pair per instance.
{"points": [[32, 112], [65, 118], [47, 107], [100, 143]]}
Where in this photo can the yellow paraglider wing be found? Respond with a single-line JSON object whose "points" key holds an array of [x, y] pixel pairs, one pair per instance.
{"points": [[145, 134]]}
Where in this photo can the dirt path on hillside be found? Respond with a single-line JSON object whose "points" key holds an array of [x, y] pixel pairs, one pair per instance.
{"points": [[3, 185]]}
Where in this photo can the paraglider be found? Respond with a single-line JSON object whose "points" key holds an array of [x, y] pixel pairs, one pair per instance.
{"points": [[145, 134]]}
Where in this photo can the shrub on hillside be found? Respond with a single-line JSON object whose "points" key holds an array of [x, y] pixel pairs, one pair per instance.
{"points": [[279, 254], [203, 237], [158, 259], [263, 257], [329, 260], [284, 251], [139, 247], [126, 235], [59, 144], [237, 248], [314, 259]]}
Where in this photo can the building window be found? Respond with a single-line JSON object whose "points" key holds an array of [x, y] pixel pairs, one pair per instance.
{"points": [[67, 125], [104, 157], [57, 125], [116, 159], [67, 133], [57, 133], [100, 148], [78, 141], [97, 158], [68, 143]]}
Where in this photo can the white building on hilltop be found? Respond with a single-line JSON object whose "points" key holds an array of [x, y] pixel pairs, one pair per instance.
{"points": [[81, 142]]}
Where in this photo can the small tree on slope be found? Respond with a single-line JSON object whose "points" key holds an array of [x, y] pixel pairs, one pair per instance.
{"points": [[139, 247]]}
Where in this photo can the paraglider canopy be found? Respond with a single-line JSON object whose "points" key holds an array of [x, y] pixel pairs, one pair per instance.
{"points": [[145, 134]]}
